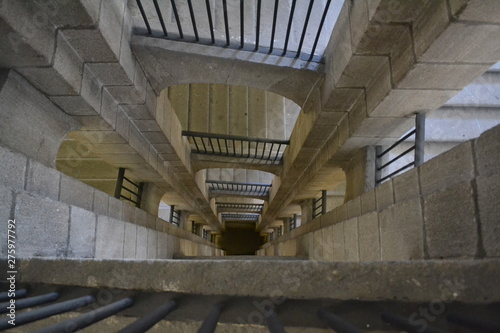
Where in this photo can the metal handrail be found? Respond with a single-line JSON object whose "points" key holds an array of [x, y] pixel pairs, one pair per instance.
{"points": [[234, 187], [120, 186], [241, 217], [240, 206]]}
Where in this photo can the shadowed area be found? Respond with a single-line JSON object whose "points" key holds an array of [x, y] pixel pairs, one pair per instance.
{"points": [[240, 240]]}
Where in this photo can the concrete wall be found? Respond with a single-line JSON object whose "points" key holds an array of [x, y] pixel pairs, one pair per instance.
{"points": [[58, 216], [447, 208]]}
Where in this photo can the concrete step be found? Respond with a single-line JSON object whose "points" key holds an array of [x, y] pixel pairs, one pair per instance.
{"points": [[484, 91], [294, 279]]}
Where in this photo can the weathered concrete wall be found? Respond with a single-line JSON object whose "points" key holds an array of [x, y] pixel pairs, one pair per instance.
{"points": [[58, 216], [446, 208]]}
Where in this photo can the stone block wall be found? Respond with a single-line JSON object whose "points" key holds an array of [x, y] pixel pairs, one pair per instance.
{"points": [[58, 216], [447, 208]]}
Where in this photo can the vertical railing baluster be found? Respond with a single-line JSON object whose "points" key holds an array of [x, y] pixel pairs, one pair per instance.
{"points": [[119, 182], [290, 19], [320, 28], [176, 14], [257, 26], [273, 31], [193, 20], [242, 24], [210, 22], [226, 21], [144, 17], [308, 15], [196, 144], [160, 17]]}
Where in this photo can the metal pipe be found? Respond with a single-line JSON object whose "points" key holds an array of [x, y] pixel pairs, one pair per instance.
{"points": [[336, 323], [323, 202], [274, 324], [419, 138], [29, 302], [473, 323], [403, 323], [396, 143], [242, 24], [397, 157], [119, 182], [47, 311], [211, 320], [397, 171], [145, 323], [378, 162], [88, 318], [18, 294]]}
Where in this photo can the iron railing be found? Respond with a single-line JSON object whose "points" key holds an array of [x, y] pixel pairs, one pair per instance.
{"points": [[240, 217], [240, 207], [134, 189], [319, 205], [194, 227], [417, 148], [292, 222], [204, 233], [248, 189], [259, 150], [175, 216], [295, 22]]}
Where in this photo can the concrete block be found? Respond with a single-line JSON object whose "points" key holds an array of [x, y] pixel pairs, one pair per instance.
{"points": [[93, 8], [141, 217], [109, 74], [487, 149], [338, 242], [110, 237], [89, 44], [341, 212], [82, 233], [341, 52], [404, 102], [109, 108], [73, 105], [488, 198], [429, 24], [369, 237], [327, 242], [454, 166], [451, 223], [406, 186], [465, 43], [13, 168], [130, 243], [351, 240], [368, 202], [76, 193], [152, 245], [353, 208], [128, 212], [477, 10], [41, 226], [115, 208], [142, 243], [6, 198], [111, 23], [91, 89], [42, 180], [162, 250], [384, 194], [48, 80], [441, 76], [401, 231], [68, 63], [100, 205]]}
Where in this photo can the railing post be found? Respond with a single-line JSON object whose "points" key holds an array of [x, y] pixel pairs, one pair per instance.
{"points": [[419, 138], [119, 183], [378, 164], [140, 189], [323, 202], [172, 208]]}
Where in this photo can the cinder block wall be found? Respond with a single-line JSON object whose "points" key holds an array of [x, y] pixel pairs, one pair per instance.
{"points": [[447, 208], [58, 216]]}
